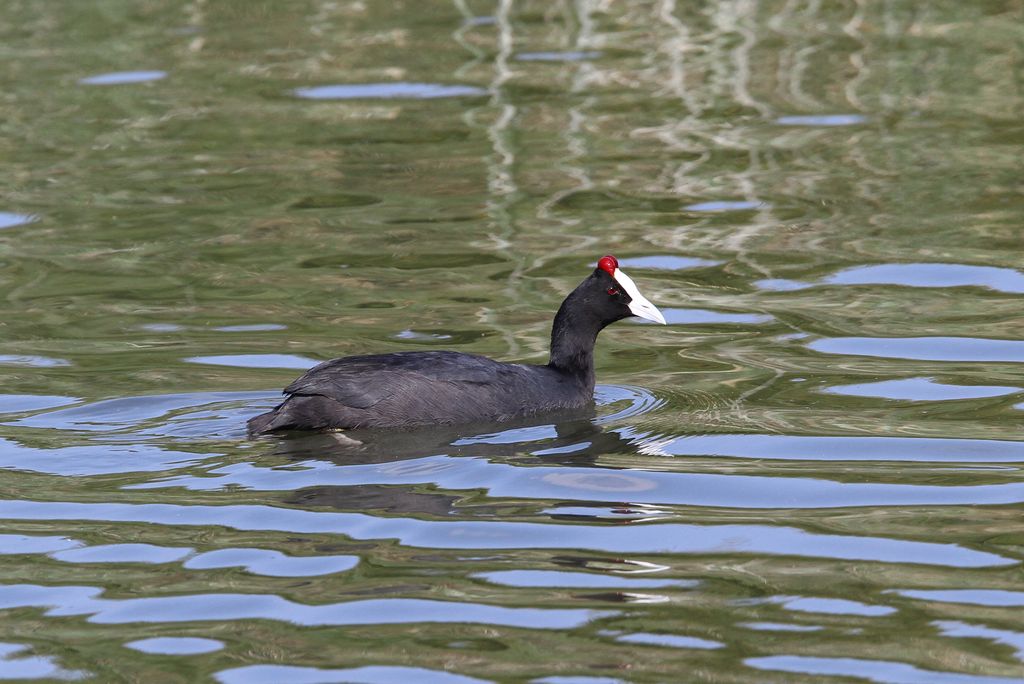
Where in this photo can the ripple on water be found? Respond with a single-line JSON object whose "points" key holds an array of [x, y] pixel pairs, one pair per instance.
{"points": [[565, 483], [920, 389], [85, 600], [953, 628], [123, 77], [256, 361], [835, 606], [931, 275], [705, 316], [372, 674], [883, 671], [781, 284], [255, 327], [800, 448], [272, 563], [33, 667], [32, 360], [24, 403], [821, 120], [336, 200], [726, 205], [667, 262], [253, 560], [655, 538], [924, 348], [376, 91], [669, 640], [417, 336], [161, 327], [630, 512], [639, 401], [575, 580], [11, 544], [522, 435], [977, 597], [564, 56], [780, 627], [934, 275], [94, 459], [123, 553], [176, 645], [125, 412], [10, 219], [580, 679]]}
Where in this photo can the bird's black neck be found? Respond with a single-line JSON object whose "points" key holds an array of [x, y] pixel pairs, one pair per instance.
{"points": [[573, 335]]}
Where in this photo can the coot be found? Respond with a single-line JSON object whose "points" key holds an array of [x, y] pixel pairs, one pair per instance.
{"points": [[408, 389]]}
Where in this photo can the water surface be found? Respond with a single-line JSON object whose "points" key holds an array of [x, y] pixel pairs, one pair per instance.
{"points": [[812, 474]]}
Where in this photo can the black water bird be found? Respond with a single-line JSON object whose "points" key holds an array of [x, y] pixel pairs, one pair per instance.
{"points": [[417, 388]]}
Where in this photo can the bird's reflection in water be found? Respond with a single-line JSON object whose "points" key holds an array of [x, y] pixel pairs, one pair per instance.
{"points": [[571, 438], [396, 500], [568, 438]]}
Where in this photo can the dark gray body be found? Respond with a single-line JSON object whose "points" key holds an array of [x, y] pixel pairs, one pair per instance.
{"points": [[413, 389], [408, 389]]}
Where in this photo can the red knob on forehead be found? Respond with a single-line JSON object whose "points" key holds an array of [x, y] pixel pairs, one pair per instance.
{"points": [[608, 264]]}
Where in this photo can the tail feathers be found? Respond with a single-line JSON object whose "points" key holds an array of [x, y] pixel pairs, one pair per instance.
{"points": [[298, 413], [262, 424]]}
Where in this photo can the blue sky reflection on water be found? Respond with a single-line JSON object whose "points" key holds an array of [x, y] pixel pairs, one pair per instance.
{"points": [[83, 600], [662, 538], [925, 348], [921, 389], [387, 91], [927, 275]]}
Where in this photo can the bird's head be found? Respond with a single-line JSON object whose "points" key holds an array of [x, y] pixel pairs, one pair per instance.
{"points": [[615, 296]]}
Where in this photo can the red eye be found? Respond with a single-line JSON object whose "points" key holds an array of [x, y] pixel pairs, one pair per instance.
{"points": [[612, 291]]}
